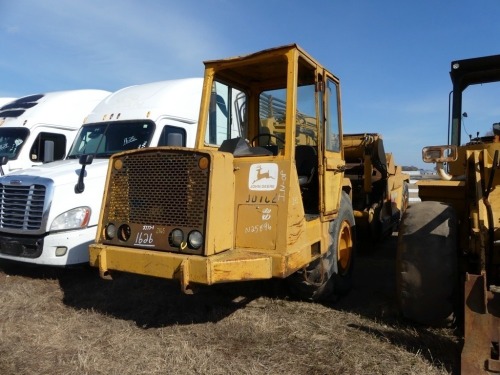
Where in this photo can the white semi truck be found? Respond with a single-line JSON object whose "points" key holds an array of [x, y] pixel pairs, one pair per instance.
{"points": [[6, 100], [49, 213], [40, 128]]}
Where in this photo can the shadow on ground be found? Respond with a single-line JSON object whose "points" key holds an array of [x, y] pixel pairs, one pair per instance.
{"points": [[374, 297], [149, 302]]}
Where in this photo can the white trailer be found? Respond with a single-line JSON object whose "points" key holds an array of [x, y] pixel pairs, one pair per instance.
{"points": [[40, 128], [63, 198]]}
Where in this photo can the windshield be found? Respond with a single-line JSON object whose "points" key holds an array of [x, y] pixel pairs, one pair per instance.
{"points": [[227, 116], [272, 111], [479, 111], [107, 138], [11, 141]]}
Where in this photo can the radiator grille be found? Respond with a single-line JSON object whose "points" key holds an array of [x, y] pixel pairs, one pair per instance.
{"points": [[159, 188], [21, 206]]}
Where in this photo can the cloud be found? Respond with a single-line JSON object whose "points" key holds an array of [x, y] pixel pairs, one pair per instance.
{"points": [[116, 43], [11, 29]]}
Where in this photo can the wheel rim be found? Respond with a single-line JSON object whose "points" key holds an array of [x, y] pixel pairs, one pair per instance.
{"points": [[344, 249]]}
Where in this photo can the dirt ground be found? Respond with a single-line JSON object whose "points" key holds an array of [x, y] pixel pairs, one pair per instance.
{"points": [[68, 321]]}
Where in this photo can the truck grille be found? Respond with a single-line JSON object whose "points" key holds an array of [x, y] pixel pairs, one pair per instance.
{"points": [[164, 187], [21, 207]]}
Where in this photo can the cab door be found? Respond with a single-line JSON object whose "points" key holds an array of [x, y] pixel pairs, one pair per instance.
{"points": [[333, 163]]}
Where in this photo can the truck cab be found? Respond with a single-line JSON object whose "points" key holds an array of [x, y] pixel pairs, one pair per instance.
{"points": [[63, 198], [261, 195], [40, 128]]}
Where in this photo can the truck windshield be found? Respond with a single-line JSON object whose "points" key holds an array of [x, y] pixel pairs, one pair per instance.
{"points": [[107, 138], [11, 141]]}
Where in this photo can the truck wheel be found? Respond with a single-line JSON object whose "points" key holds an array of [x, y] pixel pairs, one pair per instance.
{"points": [[426, 264], [331, 274]]}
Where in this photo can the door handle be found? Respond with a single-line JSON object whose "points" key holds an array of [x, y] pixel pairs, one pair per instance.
{"points": [[340, 168]]}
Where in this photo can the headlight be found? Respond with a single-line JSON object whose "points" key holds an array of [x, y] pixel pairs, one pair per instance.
{"points": [[109, 231], [195, 239], [175, 238], [76, 218], [124, 232]]}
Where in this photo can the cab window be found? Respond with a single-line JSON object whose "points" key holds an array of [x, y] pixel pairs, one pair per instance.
{"points": [[306, 124], [272, 116], [332, 135], [172, 136], [226, 115], [43, 142], [107, 138], [12, 141]]}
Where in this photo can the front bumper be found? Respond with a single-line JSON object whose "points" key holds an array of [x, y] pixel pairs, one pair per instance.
{"points": [[42, 250], [229, 266]]}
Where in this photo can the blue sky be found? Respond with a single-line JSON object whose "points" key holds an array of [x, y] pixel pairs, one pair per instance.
{"points": [[392, 57]]}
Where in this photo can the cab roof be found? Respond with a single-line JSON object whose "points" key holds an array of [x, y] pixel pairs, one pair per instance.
{"points": [[65, 108], [475, 71], [178, 98], [266, 65]]}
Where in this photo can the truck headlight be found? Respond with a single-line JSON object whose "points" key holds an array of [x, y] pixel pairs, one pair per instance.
{"points": [[76, 218]]}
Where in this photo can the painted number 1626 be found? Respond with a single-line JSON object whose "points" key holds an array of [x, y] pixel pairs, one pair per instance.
{"points": [[144, 238]]}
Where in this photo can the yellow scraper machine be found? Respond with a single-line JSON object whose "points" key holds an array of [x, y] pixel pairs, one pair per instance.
{"points": [[267, 191]]}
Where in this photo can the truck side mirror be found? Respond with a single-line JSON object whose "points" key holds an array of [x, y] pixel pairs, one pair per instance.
{"points": [[84, 160], [439, 154]]}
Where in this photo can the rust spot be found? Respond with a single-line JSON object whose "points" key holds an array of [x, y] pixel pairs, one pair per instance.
{"points": [[296, 230]]}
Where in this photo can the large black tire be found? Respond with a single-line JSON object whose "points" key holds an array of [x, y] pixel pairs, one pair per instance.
{"points": [[331, 274], [426, 264]]}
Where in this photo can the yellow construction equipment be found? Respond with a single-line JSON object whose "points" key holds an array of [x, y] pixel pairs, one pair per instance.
{"points": [[263, 194], [449, 245]]}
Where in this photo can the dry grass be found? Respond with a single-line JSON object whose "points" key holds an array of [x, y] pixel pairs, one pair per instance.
{"points": [[68, 321]]}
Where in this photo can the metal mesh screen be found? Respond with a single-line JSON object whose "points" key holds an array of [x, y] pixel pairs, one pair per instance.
{"points": [[159, 188]]}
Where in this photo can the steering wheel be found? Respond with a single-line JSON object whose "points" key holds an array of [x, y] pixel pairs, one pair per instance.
{"points": [[278, 139]]}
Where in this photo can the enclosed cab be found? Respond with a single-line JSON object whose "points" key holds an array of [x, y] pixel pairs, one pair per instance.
{"points": [[449, 244], [49, 214], [40, 128], [262, 195]]}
